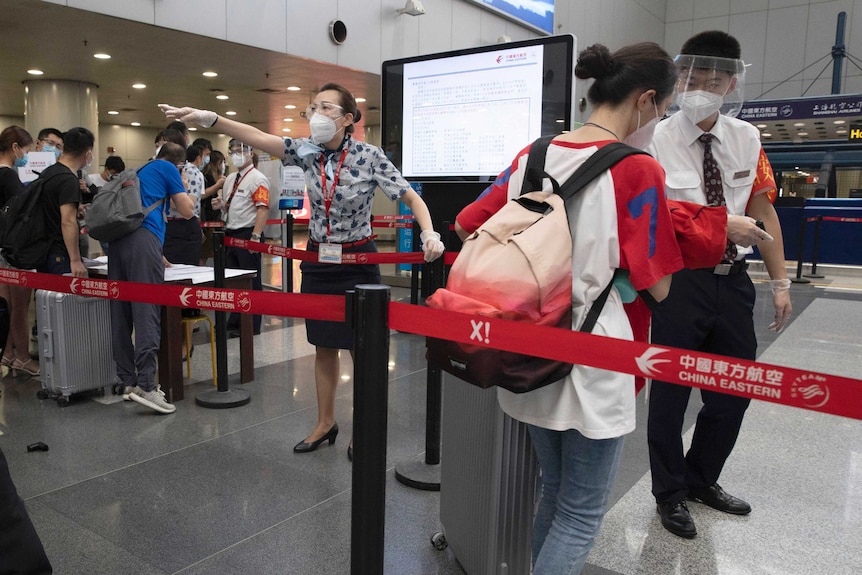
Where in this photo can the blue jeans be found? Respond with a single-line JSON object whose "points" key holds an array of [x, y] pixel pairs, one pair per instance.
{"points": [[577, 476]]}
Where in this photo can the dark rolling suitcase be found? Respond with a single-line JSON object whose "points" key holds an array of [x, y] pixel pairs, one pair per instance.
{"points": [[488, 480], [75, 352]]}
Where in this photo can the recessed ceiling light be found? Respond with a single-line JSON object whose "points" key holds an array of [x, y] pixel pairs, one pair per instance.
{"points": [[136, 124], [799, 124], [285, 129], [35, 72], [290, 107], [766, 135], [360, 100], [841, 131], [210, 74], [113, 113], [761, 126], [288, 119], [139, 86], [222, 97], [294, 88], [561, 121], [802, 133], [192, 129], [839, 122], [230, 113], [102, 56]]}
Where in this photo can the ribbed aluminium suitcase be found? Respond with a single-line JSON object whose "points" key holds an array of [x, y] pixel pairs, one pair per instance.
{"points": [[488, 475], [75, 352]]}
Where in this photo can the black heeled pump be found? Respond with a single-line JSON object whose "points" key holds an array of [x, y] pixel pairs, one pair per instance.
{"points": [[303, 447]]}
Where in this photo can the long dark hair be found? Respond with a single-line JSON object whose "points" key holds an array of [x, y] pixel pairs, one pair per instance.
{"points": [[643, 66], [210, 170], [14, 135]]}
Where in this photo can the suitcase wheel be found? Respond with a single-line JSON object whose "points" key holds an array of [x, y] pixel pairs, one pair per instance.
{"points": [[118, 388], [42, 394], [438, 540], [63, 401]]}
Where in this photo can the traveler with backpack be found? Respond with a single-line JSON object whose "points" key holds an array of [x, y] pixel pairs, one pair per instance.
{"points": [[342, 176], [15, 143], [618, 222]]}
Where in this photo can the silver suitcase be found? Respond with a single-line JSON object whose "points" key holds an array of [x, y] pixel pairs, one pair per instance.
{"points": [[75, 352], [488, 479]]}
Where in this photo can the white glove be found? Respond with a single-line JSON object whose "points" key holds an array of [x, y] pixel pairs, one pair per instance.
{"points": [[431, 245], [203, 118], [744, 232], [781, 301]]}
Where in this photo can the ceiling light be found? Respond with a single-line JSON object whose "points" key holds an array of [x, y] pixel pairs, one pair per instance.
{"points": [[102, 56], [139, 86], [360, 100], [192, 129], [294, 88], [766, 135], [839, 122], [136, 124], [799, 124], [801, 133], [285, 129], [113, 113], [230, 113], [841, 131], [290, 107], [35, 72], [561, 121], [288, 119], [210, 74], [222, 97], [761, 126]]}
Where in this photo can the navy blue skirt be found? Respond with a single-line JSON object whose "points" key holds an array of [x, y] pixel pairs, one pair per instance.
{"points": [[335, 279]]}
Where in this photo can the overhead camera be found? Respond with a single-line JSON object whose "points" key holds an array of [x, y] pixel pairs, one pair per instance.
{"points": [[413, 7]]}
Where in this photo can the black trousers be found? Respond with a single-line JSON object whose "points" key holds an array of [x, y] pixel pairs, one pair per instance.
{"points": [[239, 258], [21, 551], [709, 313]]}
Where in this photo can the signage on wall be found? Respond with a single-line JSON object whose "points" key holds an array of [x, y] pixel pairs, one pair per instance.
{"points": [[802, 108], [855, 135], [537, 15]]}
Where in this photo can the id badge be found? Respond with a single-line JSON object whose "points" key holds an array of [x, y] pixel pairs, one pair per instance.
{"points": [[329, 254]]}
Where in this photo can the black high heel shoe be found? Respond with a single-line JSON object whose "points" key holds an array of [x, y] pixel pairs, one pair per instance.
{"points": [[303, 447]]}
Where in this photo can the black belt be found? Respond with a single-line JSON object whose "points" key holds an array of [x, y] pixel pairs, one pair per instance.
{"points": [[357, 243], [726, 269]]}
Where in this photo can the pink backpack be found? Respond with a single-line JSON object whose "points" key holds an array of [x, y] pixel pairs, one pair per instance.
{"points": [[518, 266]]}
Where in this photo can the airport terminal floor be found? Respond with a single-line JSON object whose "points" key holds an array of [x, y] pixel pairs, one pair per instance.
{"points": [[216, 492]]}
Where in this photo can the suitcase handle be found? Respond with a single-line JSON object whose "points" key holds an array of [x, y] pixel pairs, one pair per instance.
{"points": [[47, 343]]}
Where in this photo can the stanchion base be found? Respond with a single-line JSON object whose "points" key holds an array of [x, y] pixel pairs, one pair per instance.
{"points": [[419, 475], [814, 276], [215, 399], [800, 281]]}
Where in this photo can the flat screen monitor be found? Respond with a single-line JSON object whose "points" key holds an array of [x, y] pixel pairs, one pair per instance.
{"points": [[465, 114]]}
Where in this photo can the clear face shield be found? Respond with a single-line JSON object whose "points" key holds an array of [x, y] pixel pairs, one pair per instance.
{"points": [[707, 85], [239, 153]]}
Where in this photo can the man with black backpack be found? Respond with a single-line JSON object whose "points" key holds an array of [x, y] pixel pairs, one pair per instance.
{"points": [[61, 195]]}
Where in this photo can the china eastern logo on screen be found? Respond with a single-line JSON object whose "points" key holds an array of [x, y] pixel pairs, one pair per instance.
{"points": [[511, 57]]}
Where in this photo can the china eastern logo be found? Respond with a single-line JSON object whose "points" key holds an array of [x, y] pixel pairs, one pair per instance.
{"points": [[811, 389], [214, 299]]}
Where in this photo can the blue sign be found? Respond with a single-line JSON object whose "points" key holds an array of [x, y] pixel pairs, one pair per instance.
{"points": [[802, 108], [405, 235], [536, 14]]}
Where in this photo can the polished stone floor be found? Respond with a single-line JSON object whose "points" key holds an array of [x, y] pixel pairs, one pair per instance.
{"points": [[125, 491]]}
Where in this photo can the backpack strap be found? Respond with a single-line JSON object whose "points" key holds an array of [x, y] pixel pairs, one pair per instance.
{"points": [[602, 160], [535, 172], [157, 203], [598, 305]]}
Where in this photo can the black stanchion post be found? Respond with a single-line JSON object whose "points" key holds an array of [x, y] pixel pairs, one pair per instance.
{"points": [[800, 253], [287, 263], [414, 268], [223, 396], [369, 314], [814, 274], [418, 474]]}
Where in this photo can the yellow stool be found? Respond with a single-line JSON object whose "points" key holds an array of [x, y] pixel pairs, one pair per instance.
{"points": [[187, 327]]}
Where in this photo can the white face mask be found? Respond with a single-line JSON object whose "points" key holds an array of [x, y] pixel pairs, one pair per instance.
{"points": [[642, 136], [322, 128], [223, 169], [698, 105], [238, 160]]}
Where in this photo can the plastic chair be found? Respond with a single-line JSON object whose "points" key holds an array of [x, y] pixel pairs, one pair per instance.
{"points": [[187, 327]]}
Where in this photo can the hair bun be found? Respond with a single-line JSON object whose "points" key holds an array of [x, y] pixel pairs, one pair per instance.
{"points": [[357, 116], [594, 62]]}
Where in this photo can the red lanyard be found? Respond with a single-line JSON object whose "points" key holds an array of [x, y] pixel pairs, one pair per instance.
{"points": [[236, 182], [329, 194]]}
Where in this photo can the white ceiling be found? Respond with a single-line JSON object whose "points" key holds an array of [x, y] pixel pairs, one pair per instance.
{"points": [[61, 42]]}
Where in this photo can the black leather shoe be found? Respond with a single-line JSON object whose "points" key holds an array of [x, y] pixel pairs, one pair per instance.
{"points": [[717, 498], [676, 519], [303, 447]]}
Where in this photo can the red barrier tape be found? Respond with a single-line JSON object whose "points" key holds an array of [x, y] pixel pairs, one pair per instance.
{"points": [[788, 386], [833, 219], [307, 256], [309, 306]]}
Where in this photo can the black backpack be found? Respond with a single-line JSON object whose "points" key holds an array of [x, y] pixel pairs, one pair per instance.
{"points": [[24, 237]]}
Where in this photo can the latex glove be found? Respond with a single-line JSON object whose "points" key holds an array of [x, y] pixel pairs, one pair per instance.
{"points": [[781, 301], [743, 231], [203, 118], [431, 245]]}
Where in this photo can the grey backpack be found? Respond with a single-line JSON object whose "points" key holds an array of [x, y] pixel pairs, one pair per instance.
{"points": [[117, 209]]}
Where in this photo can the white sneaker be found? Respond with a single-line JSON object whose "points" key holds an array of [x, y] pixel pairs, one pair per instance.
{"points": [[129, 390], [154, 399]]}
